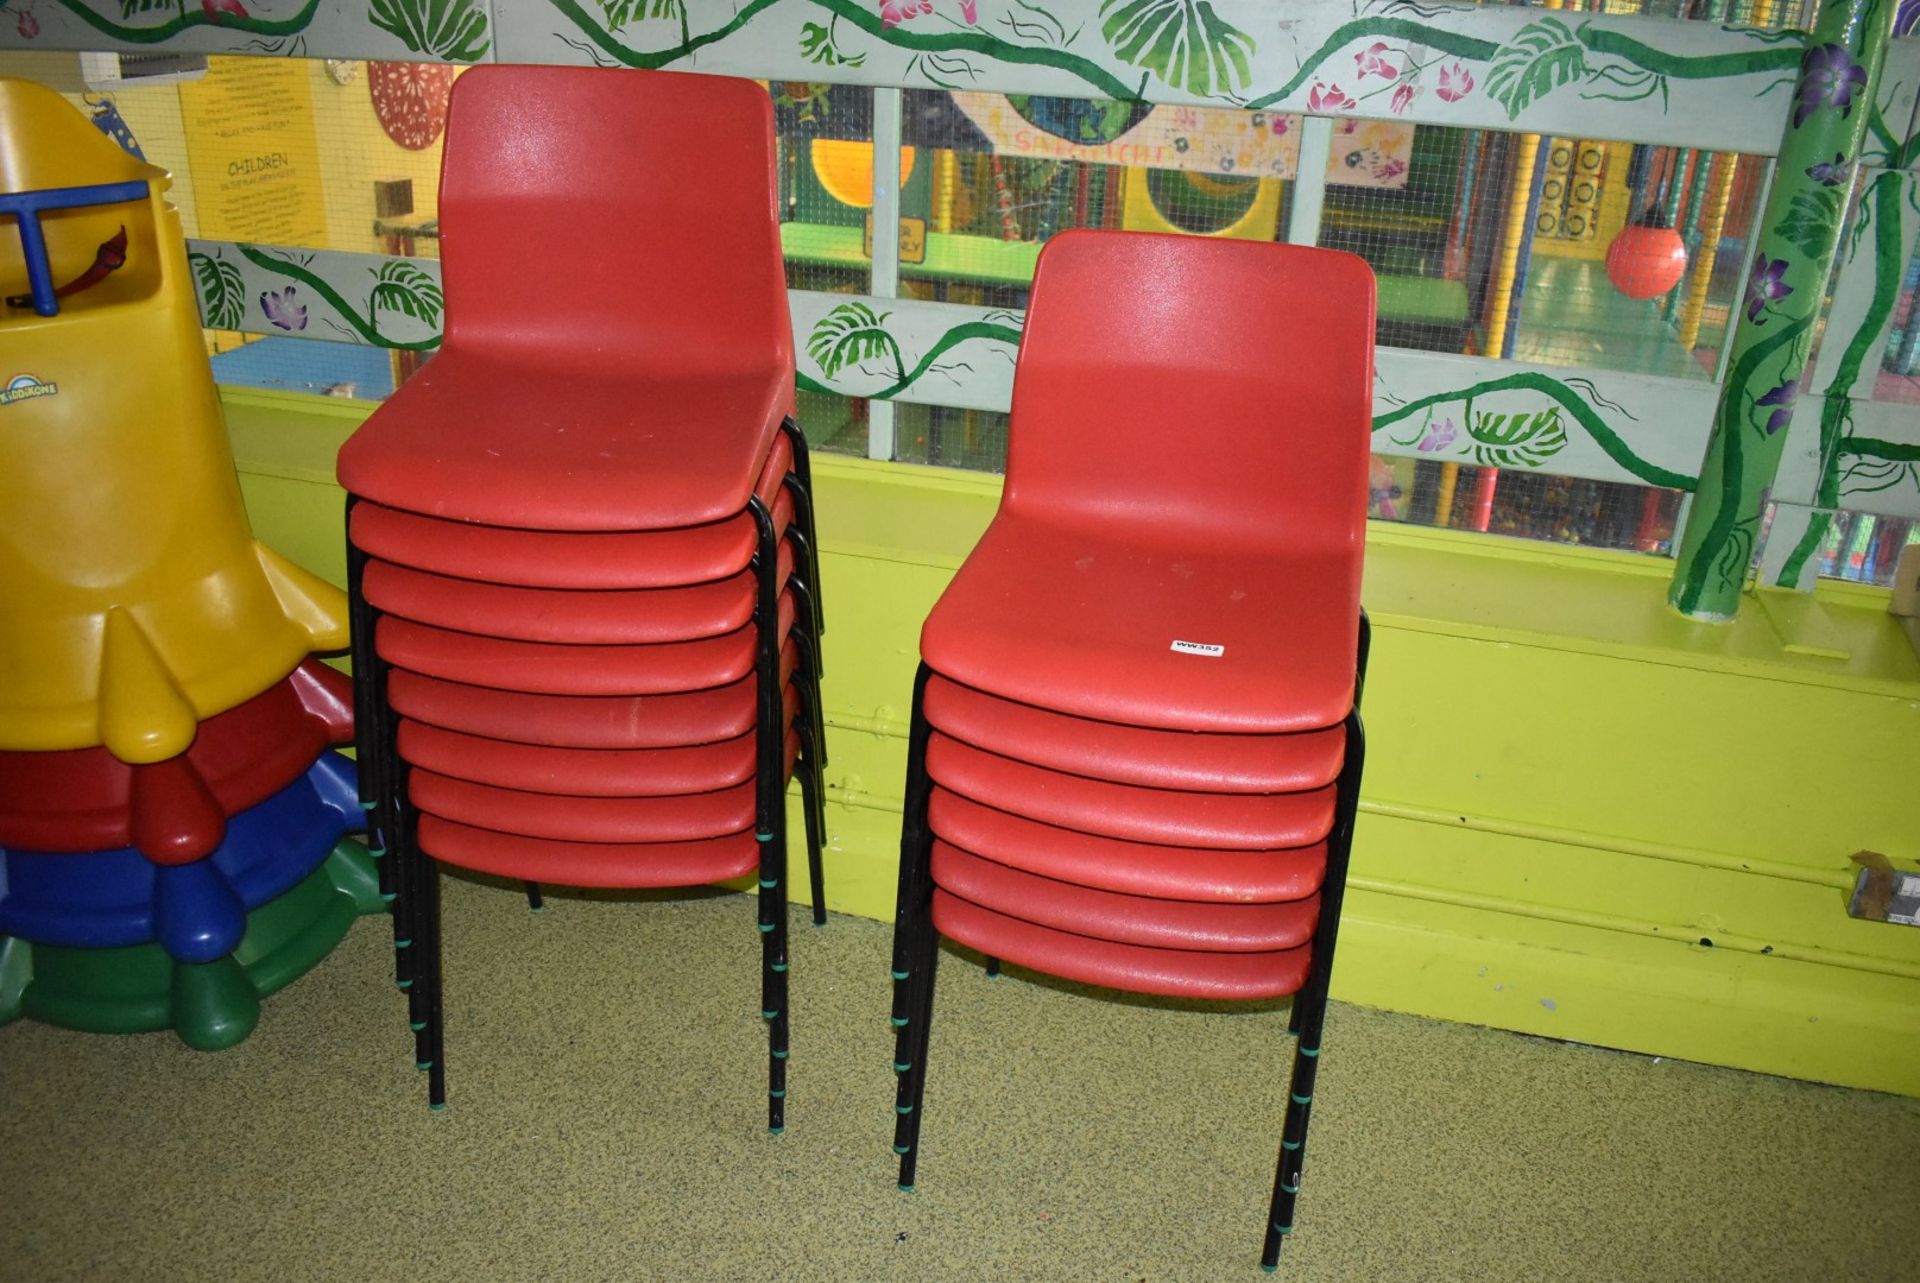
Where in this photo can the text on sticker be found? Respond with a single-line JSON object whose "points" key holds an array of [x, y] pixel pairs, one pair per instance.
{"points": [[1198, 648]]}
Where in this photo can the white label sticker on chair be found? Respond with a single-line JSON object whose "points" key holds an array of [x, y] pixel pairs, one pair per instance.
{"points": [[1198, 648]]}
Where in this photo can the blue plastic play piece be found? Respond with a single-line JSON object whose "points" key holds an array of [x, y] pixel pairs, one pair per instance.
{"points": [[197, 911]]}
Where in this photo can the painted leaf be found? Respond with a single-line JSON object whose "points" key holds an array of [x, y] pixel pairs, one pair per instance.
{"points": [[454, 30], [620, 12], [1183, 42], [223, 297], [848, 335], [1541, 57], [128, 8], [405, 288], [1811, 219], [1516, 440], [816, 43]]}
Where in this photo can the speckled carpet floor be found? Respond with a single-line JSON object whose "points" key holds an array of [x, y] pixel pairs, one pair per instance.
{"points": [[606, 1122]]}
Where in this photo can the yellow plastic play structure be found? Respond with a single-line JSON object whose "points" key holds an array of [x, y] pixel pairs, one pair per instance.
{"points": [[134, 601]]}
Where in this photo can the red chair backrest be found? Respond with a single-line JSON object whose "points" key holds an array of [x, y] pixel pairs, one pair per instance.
{"points": [[613, 220], [1215, 386]]}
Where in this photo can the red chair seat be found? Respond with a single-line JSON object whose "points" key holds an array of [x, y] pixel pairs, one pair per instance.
{"points": [[585, 772], [608, 616], [548, 668], [1179, 973], [1133, 868], [175, 811], [681, 818], [542, 446], [1124, 919], [589, 864], [550, 559], [585, 721], [1231, 821], [1132, 754], [1103, 647]]}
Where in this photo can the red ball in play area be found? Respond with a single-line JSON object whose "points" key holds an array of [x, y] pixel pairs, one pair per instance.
{"points": [[1646, 260]]}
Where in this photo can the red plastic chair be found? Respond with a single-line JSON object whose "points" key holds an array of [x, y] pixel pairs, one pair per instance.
{"points": [[588, 522], [1136, 747], [176, 811]]}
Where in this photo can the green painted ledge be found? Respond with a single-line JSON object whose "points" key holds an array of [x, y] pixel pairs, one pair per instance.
{"points": [[1584, 816]]}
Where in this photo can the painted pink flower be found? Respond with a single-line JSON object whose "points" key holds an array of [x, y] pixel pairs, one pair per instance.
{"points": [[1402, 97], [895, 12], [1438, 437], [1372, 62], [29, 26], [1388, 170], [1327, 98], [1456, 82], [970, 10]]}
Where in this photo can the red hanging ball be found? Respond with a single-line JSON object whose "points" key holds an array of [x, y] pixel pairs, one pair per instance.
{"points": [[1645, 262]]}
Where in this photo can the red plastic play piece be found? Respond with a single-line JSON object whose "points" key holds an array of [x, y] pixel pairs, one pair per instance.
{"points": [[1133, 754], [615, 617], [175, 811], [1230, 821], [616, 390], [1132, 868], [1201, 480], [585, 772], [1125, 919], [544, 668], [585, 721], [547, 559], [1180, 973], [679, 818], [589, 864]]}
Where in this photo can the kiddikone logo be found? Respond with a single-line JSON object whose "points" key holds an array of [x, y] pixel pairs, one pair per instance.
{"points": [[24, 387]]}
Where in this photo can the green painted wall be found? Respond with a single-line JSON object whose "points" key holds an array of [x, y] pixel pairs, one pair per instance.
{"points": [[1562, 805]]}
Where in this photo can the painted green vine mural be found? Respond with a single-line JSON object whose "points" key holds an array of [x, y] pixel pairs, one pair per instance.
{"points": [[1800, 234], [853, 336], [291, 291]]}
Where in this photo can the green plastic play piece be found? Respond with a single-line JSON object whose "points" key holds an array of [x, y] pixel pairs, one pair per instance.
{"points": [[212, 1005]]}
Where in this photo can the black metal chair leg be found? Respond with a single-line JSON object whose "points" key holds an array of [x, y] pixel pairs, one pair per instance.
{"points": [[803, 471], [1311, 1001], [810, 684], [909, 1109], [814, 732], [910, 897], [809, 556], [806, 629], [433, 966], [535, 900], [816, 832], [771, 824]]}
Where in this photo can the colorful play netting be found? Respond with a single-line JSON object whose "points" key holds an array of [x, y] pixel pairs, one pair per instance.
{"points": [[171, 817]]}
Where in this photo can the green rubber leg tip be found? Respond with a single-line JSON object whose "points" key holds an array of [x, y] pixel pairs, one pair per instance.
{"points": [[777, 1131], [377, 852], [1309, 1051], [387, 896], [436, 1105], [1289, 1189], [906, 1189], [369, 806], [819, 925], [778, 1093], [1283, 1229], [899, 1068], [1298, 1099], [416, 1025], [1289, 1144], [423, 1064], [403, 944], [900, 975], [779, 966], [903, 1150], [899, 1022], [769, 883], [903, 1109], [1271, 1269], [404, 984], [763, 837], [766, 926], [769, 1015], [537, 908], [779, 1055]]}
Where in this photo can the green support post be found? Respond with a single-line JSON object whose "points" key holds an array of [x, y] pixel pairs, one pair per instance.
{"points": [[1827, 121]]}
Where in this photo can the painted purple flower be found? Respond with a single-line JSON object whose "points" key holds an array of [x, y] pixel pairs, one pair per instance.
{"points": [[1372, 62], [1830, 175], [283, 310], [1456, 82], [1438, 437], [1781, 399], [1766, 285], [1829, 77]]}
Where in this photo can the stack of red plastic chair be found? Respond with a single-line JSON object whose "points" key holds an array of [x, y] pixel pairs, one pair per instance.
{"points": [[579, 541], [1136, 743]]}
